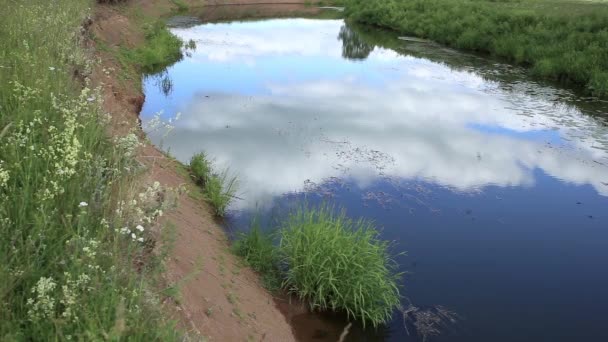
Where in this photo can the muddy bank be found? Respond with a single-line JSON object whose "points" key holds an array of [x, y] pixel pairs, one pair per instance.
{"points": [[219, 299]]}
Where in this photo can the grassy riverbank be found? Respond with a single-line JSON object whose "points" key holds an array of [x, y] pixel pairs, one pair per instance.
{"points": [[73, 222], [562, 40]]}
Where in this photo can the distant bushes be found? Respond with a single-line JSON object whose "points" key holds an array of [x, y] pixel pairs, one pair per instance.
{"points": [[330, 261], [566, 42]]}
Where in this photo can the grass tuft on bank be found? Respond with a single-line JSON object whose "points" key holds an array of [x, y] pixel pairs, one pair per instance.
{"points": [[219, 187], [561, 40], [330, 261], [257, 248], [201, 168], [68, 238], [162, 48]]}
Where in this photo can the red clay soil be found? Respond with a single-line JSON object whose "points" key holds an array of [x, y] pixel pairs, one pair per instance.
{"points": [[219, 299]]}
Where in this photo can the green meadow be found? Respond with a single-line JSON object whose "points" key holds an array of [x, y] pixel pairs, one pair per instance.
{"points": [[561, 40]]}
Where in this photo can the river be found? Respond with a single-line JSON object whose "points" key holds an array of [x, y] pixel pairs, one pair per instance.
{"points": [[495, 184]]}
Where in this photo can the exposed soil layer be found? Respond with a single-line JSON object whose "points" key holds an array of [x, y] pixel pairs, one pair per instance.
{"points": [[218, 297]]}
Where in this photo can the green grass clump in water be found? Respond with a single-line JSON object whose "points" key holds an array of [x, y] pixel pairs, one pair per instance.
{"points": [[336, 263], [562, 40], [65, 272], [200, 167], [329, 261]]}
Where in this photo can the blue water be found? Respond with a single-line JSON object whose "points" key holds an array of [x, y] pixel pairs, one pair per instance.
{"points": [[494, 184]]}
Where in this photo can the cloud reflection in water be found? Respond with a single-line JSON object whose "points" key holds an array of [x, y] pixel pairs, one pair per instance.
{"points": [[292, 110]]}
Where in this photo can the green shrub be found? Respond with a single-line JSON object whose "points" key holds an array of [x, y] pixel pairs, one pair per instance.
{"points": [[219, 190], [200, 168], [335, 263]]}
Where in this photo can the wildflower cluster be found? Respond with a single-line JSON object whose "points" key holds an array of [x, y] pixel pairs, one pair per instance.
{"points": [[157, 124], [64, 269], [57, 143], [43, 305], [4, 175], [145, 209], [128, 144]]}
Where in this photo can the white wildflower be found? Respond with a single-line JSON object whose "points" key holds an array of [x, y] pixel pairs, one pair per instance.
{"points": [[133, 236], [44, 304], [4, 176], [129, 143], [83, 204], [140, 228], [52, 68], [125, 230], [141, 239]]}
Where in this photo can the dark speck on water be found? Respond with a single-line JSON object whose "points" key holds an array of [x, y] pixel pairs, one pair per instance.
{"points": [[469, 165]]}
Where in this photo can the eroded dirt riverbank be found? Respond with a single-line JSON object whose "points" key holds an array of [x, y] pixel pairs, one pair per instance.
{"points": [[219, 299]]}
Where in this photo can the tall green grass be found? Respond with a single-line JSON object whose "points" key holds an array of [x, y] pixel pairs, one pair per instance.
{"points": [[219, 187], [329, 261], [257, 248], [562, 40], [220, 190], [66, 264], [200, 168], [336, 263]]}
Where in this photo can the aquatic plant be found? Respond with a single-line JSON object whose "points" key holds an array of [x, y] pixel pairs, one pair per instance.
{"points": [[329, 261], [428, 322], [336, 263], [564, 42]]}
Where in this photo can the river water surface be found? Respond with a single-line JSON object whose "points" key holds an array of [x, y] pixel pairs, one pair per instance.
{"points": [[494, 184]]}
